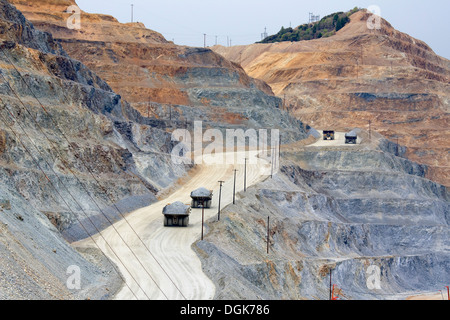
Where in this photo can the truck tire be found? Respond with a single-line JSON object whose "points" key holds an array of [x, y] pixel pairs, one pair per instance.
{"points": [[166, 222], [185, 221], [208, 204]]}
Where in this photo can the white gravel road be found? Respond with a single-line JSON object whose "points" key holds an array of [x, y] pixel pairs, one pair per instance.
{"points": [[158, 262], [339, 141]]}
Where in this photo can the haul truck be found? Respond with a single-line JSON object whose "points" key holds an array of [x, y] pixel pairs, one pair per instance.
{"points": [[176, 214], [328, 135], [351, 137], [201, 197]]}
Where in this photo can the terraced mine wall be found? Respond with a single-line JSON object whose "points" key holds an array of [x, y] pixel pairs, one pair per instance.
{"points": [[342, 211], [170, 86], [360, 75], [66, 170], [76, 157]]}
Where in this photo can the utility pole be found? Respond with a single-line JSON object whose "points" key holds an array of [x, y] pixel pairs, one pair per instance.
{"points": [[132, 9], [203, 215], [357, 68], [362, 55], [245, 175], [279, 152], [220, 195], [370, 130], [204, 40], [185, 131], [331, 290], [272, 157], [268, 233], [216, 40], [397, 151], [264, 35], [234, 187]]}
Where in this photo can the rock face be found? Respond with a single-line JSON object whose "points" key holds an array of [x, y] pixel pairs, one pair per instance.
{"points": [[80, 131], [74, 158], [385, 76], [74, 155], [348, 210], [174, 84]]}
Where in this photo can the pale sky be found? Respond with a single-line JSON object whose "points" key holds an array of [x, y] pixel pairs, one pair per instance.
{"points": [[243, 21]]}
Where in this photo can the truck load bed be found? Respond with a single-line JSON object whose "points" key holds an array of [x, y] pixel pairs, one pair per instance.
{"points": [[176, 214], [201, 197]]}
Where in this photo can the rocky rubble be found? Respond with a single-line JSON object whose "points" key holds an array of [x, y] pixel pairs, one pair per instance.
{"points": [[74, 158], [332, 210], [167, 84], [83, 131]]}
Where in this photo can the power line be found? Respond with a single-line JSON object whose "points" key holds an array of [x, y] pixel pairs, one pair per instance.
{"points": [[57, 191], [76, 177], [54, 159], [97, 182]]}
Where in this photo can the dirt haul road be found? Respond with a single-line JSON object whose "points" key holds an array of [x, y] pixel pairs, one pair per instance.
{"points": [[337, 142], [157, 262]]}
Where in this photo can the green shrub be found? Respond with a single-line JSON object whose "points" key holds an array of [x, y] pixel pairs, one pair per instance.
{"points": [[326, 27]]}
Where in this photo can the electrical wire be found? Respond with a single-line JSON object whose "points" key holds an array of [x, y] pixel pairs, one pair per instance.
{"points": [[65, 163], [95, 179], [57, 192]]}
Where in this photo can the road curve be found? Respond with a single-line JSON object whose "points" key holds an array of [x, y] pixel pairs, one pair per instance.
{"points": [[338, 142], [157, 262]]}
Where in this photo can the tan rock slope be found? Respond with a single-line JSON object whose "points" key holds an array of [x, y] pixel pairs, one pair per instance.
{"points": [[139, 63], [385, 76]]}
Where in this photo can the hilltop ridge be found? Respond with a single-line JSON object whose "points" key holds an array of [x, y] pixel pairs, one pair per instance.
{"points": [[85, 138], [326, 27], [343, 81], [163, 81]]}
